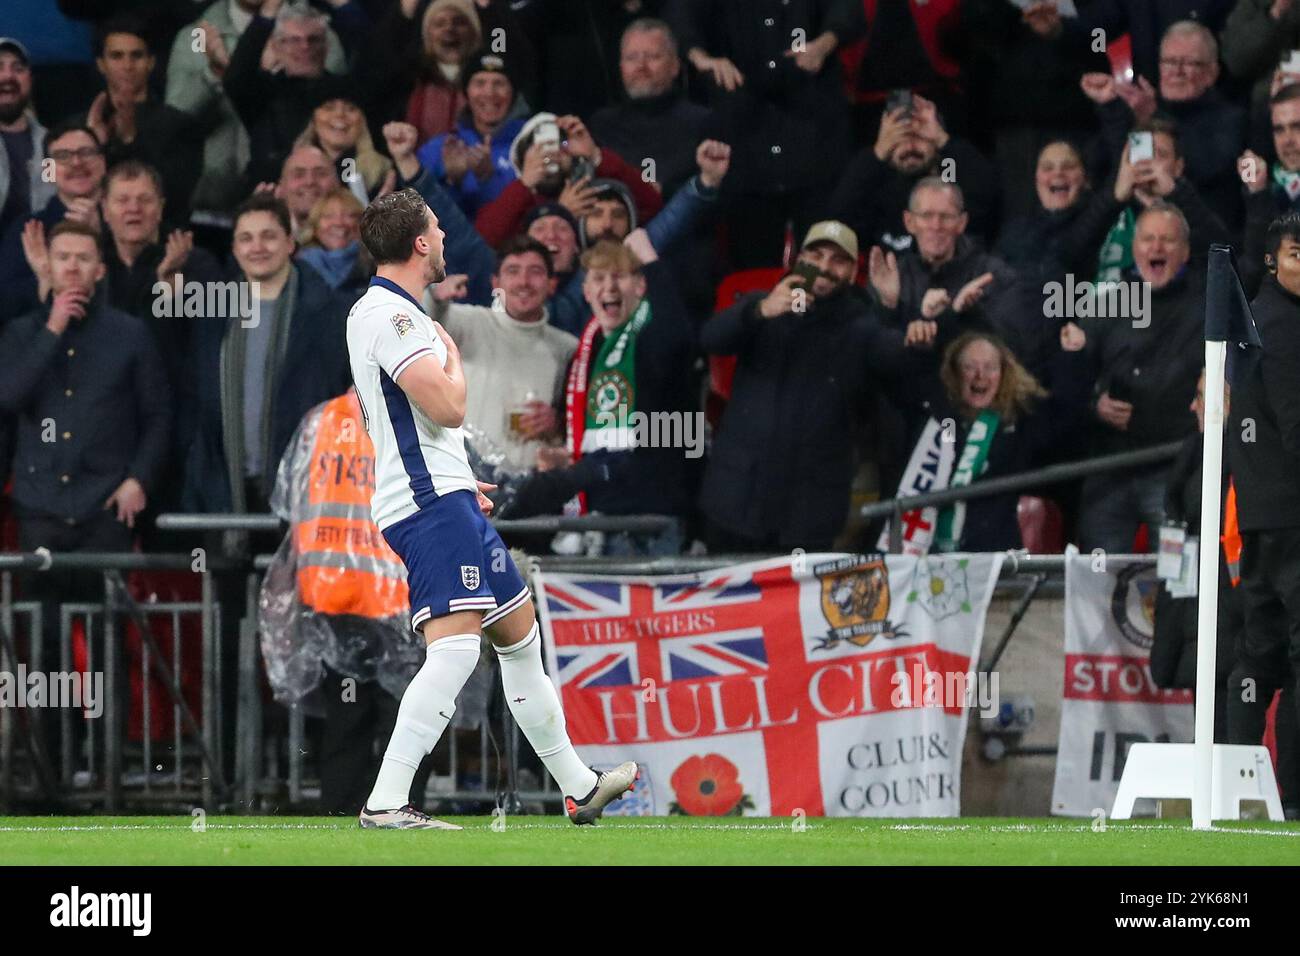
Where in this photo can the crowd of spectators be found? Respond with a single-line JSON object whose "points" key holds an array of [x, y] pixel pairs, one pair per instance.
{"points": [[817, 225]]}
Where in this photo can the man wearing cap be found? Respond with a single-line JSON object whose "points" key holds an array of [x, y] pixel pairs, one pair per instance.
{"points": [[472, 161], [809, 356], [23, 191]]}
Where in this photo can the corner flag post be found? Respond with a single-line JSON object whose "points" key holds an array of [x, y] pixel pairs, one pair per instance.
{"points": [[1227, 319]]}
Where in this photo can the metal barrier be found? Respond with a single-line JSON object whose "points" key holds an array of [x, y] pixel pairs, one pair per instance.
{"points": [[894, 508], [98, 767]]}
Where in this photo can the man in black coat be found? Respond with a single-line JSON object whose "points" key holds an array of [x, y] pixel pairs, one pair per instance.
{"points": [[90, 395], [1147, 357], [872, 194], [259, 367], [810, 353], [774, 80], [1263, 445]]}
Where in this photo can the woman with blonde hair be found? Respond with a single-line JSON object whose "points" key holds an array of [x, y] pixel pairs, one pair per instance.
{"points": [[333, 243], [338, 128], [993, 418]]}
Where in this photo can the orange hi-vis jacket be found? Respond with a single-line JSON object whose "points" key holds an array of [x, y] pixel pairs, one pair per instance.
{"points": [[344, 564], [1231, 536]]}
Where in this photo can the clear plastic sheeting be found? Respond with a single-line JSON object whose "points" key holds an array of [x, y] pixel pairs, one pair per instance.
{"points": [[488, 462], [298, 641]]}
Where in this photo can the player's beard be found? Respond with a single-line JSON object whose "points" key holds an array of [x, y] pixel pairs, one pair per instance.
{"points": [[437, 272]]}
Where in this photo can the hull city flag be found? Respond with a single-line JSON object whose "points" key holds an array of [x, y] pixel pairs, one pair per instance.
{"points": [[827, 685]]}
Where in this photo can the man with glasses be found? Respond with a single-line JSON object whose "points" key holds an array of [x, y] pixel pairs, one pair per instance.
{"points": [[944, 285], [276, 76], [1211, 129], [78, 180]]}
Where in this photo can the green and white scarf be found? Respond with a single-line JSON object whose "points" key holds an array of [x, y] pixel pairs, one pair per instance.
{"points": [[1117, 251], [974, 459]]}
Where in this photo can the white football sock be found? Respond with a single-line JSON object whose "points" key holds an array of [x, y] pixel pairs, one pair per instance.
{"points": [[426, 709], [537, 711]]}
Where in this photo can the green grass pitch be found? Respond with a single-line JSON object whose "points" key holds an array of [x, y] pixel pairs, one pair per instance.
{"points": [[87, 841]]}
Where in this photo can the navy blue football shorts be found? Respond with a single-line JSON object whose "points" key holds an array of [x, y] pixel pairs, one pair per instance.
{"points": [[455, 561]]}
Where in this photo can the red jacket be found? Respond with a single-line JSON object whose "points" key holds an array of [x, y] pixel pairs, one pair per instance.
{"points": [[502, 217]]}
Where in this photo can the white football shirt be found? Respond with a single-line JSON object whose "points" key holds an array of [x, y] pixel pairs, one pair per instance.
{"points": [[416, 460]]}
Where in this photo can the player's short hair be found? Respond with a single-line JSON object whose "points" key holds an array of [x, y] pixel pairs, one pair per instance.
{"points": [[612, 256], [134, 169], [264, 202], [1168, 209], [73, 227], [1285, 226], [392, 223], [521, 244]]}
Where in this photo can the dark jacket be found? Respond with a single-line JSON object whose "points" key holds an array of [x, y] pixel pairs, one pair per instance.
{"points": [[1267, 469], [17, 283], [872, 194], [786, 127], [1007, 58], [782, 459], [274, 108], [101, 388], [314, 369], [1261, 209], [1155, 367], [1145, 21], [636, 129], [1211, 135], [1103, 209], [171, 141], [1035, 439], [1001, 311]]}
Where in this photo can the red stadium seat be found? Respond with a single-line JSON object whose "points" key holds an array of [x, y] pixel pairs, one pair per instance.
{"points": [[1042, 529], [722, 368]]}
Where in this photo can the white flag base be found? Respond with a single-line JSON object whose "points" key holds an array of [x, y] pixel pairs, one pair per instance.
{"points": [[1164, 772]]}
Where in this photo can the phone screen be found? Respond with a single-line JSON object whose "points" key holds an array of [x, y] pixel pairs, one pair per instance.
{"points": [[1141, 146]]}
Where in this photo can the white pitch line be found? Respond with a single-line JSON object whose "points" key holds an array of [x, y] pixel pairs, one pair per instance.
{"points": [[1065, 828]]}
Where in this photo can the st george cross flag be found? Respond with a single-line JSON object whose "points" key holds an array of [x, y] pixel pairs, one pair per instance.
{"points": [[835, 685]]}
